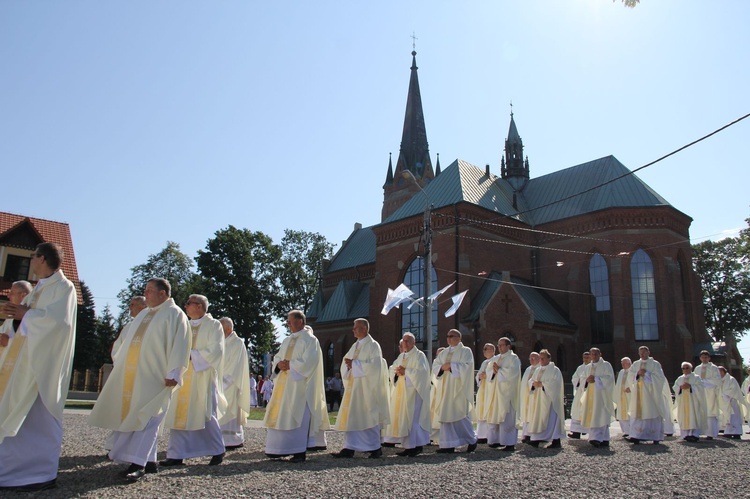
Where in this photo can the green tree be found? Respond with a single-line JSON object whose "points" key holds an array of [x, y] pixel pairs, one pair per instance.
{"points": [[106, 334], [299, 269], [725, 281], [237, 276], [170, 264], [86, 341]]}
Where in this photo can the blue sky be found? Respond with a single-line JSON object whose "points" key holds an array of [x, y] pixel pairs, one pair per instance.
{"points": [[140, 122]]}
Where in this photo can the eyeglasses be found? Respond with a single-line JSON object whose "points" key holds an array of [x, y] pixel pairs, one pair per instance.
{"points": [[453, 336], [685, 368], [192, 303]]}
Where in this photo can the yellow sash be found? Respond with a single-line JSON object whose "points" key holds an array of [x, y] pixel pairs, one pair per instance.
{"points": [[589, 402], [528, 397], [131, 363], [274, 405], [624, 399], [343, 417], [686, 409], [19, 341], [400, 394], [183, 394], [534, 428], [639, 397]]}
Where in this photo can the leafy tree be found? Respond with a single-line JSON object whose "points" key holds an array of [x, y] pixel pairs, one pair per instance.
{"points": [[299, 269], [237, 276], [106, 334], [86, 342], [170, 264], [630, 3], [725, 280]]}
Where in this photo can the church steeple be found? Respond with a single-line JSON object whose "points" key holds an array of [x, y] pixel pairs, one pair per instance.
{"points": [[512, 166], [414, 154]]}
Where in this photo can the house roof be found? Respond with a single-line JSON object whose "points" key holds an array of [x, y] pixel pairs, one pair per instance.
{"points": [[47, 231], [358, 249], [544, 309], [350, 300]]}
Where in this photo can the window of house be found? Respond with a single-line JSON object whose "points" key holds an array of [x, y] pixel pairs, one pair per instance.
{"points": [[644, 297], [412, 319], [16, 268]]}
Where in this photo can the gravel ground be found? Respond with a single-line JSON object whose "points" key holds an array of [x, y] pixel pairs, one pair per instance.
{"points": [[674, 469]]}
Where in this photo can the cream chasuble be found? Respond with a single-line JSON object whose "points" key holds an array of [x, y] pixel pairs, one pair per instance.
{"points": [[502, 390], [647, 391], [236, 380], [621, 397], [481, 404], [365, 404], [709, 374], [730, 390], [456, 388], [136, 391], [545, 399], [578, 381], [40, 356], [690, 403], [416, 381], [597, 406], [192, 403], [302, 385], [523, 394]]}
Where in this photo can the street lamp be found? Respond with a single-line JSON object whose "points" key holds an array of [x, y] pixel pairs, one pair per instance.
{"points": [[406, 174]]}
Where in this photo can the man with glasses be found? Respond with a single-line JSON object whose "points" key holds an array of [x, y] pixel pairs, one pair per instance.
{"points": [[504, 374], [690, 402], [481, 405], [454, 370], [523, 396], [35, 375], [151, 363], [622, 396], [709, 374], [597, 407], [546, 412], [236, 380], [193, 416]]}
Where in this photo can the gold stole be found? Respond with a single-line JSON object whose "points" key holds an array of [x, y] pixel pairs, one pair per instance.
{"points": [[639, 397], [533, 394], [448, 359], [274, 405], [131, 362], [686, 406], [480, 399], [528, 396], [183, 394], [623, 398], [589, 402], [400, 395], [15, 348], [343, 418]]}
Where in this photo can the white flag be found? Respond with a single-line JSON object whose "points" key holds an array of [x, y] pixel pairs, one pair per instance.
{"points": [[434, 296], [395, 297], [457, 299]]}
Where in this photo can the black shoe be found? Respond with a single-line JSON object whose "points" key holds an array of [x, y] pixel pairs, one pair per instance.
{"points": [[36, 487], [298, 458], [233, 447], [347, 453], [657, 442], [534, 443], [388, 444], [508, 448], [172, 462], [471, 448], [317, 448], [152, 467], [669, 434], [376, 454], [494, 446], [526, 439], [691, 438], [555, 444], [481, 440], [604, 443], [217, 459], [276, 456], [633, 440], [415, 451], [446, 450], [574, 434], [595, 443], [709, 438], [135, 472]]}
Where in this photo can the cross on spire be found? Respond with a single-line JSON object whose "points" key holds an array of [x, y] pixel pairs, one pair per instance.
{"points": [[413, 41]]}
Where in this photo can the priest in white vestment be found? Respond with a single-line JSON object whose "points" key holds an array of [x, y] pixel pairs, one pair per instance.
{"points": [[434, 399], [35, 375], [152, 360], [297, 415], [504, 372], [690, 403], [746, 394], [546, 404], [365, 407], [575, 407], [454, 408], [597, 406], [410, 399], [193, 416], [253, 391], [622, 396], [648, 408], [136, 304], [236, 383], [523, 396], [18, 291], [731, 401], [709, 374], [481, 407]]}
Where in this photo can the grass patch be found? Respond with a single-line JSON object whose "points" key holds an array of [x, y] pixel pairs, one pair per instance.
{"points": [[258, 413]]}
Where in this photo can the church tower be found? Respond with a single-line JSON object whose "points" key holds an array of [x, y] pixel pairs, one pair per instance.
{"points": [[513, 167], [414, 155]]}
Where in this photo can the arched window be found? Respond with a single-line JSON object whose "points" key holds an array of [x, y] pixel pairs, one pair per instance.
{"points": [[601, 314], [644, 297], [330, 366], [560, 359], [412, 319]]}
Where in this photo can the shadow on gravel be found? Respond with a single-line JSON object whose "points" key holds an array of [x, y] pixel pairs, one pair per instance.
{"points": [[650, 449]]}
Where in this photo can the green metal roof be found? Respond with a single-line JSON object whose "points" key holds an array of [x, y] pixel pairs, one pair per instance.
{"points": [[544, 309], [359, 249], [350, 300]]}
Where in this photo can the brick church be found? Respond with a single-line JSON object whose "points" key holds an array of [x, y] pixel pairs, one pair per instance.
{"points": [[586, 256]]}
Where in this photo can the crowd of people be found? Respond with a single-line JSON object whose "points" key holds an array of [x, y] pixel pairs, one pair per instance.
{"points": [[188, 373]]}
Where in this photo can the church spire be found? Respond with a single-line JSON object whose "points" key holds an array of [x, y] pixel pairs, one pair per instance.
{"points": [[512, 166], [414, 154], [389, 175]]}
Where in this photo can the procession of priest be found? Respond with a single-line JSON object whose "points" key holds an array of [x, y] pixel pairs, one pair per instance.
{"points": [[187, 373]]}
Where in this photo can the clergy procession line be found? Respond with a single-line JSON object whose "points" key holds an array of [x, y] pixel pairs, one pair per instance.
{"points": [[189, 374]]}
